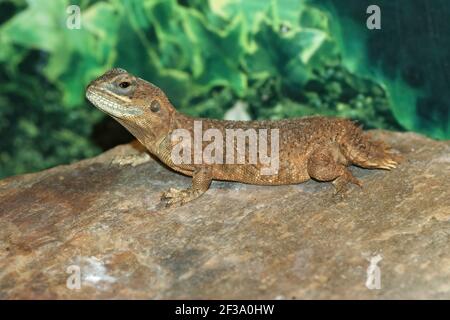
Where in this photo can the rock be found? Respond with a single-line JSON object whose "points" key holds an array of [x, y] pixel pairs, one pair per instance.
{"points": [[236, 242]]}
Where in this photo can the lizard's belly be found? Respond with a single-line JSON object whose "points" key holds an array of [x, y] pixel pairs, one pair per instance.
{"points": [[254, 174]]}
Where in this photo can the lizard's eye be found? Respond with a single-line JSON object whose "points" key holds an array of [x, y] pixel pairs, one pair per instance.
{"points": [[123, 87], [124, 84], [155, 106]]}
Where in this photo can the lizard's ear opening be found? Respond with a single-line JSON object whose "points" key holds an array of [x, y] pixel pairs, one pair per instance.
{"points": [[155, 106]]}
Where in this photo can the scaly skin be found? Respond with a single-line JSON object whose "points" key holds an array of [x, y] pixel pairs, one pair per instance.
{"points": [[319, 148]]}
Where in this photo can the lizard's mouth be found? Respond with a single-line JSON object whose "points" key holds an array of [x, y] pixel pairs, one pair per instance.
{"points": [[106, 103]]}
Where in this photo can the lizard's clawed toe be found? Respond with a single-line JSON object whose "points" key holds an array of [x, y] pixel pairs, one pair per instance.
{"points": [[171, 193], [176, 197], [342, 182], [173, 197], [133, 160], [388, 165]]}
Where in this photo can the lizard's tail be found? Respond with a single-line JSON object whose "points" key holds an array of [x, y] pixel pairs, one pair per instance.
{"points": [[363, 151]]}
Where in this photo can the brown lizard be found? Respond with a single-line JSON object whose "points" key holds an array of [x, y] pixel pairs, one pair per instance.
{"points": [[319, 148]]}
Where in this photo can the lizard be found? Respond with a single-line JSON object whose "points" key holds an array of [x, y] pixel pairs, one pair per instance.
{"points": [[314, 147]]}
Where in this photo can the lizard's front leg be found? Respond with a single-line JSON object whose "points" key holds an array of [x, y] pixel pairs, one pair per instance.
{"points": [[201, 180]]}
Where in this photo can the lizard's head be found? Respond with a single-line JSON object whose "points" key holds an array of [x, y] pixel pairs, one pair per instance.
{"points": [[124, 96], [136, 103]]}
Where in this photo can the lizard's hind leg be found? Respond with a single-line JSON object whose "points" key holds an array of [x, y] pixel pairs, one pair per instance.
{"points": [[329, 165], [365, 152]]}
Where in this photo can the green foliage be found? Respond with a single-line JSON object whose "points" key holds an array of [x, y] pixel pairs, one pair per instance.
{"points": [[36, 132], [282, 57], [408, 56]]}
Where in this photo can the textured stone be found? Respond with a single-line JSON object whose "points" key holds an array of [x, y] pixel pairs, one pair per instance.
{"points": [[236, 241]]}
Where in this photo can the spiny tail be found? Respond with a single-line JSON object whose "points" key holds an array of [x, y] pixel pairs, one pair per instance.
{"points": [[363, 151]]}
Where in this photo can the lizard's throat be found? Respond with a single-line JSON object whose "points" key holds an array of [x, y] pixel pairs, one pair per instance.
{"points": [[145, 132]]}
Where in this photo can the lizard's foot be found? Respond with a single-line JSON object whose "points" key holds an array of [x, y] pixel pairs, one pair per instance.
{"points": [[201, 180], [178, 197], [133, 160], [341, 183]]}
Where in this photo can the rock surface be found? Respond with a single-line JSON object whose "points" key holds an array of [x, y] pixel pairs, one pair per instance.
{"points": [[236, 241]]}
